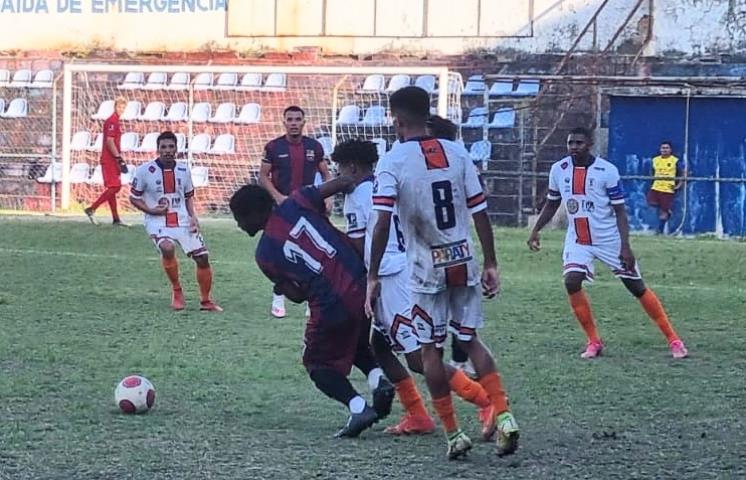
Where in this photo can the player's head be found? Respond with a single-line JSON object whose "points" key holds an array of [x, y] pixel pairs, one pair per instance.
{"points": [[579, 142], [166, 143], [251, 206], [410, 107], [666, 148], [440, 127], [119, 105], [294, 119], [355, 157]]}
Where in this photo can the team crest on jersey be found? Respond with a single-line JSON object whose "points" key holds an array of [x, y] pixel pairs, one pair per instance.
{"points": [[351, 220], [572, 206], [310, 155], [564, 165], [567, 179], [151, 169], [450, 254], [157, 182]]}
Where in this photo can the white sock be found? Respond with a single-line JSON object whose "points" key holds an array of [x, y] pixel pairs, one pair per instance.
{"points": [[357, 404], [374, 376], [278, 300]]}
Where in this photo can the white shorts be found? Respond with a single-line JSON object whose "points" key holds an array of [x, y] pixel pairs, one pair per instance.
{"points": [[458, 309], [579, 258], [393, 309], [192, 244]]}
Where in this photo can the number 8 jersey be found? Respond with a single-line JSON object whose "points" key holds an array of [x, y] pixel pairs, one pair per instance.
{"points": [[435, 187]]}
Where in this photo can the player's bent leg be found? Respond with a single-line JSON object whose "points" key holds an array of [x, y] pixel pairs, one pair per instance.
{"points": [[171, 266], [581, 307]]}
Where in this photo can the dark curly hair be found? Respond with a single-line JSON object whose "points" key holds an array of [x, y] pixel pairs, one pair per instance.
{"points": [[357, 151]]}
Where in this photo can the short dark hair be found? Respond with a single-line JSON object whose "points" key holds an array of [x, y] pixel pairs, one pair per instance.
{"points": [[411, 102], [250, 200], [667, 142], [586, 132], [293, 108], [356, 151], [442, 128], [166, 135]]}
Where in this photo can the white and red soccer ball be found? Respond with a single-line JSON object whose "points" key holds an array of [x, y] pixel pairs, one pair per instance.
{"points": [[134, 394]]}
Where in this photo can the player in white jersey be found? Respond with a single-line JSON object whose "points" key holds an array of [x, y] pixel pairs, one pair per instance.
{"points": [[597, 229], [162, 189], [436, 188]]}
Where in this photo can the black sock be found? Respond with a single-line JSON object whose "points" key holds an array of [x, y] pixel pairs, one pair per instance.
{"points": [[457, 353], [334, 385]]}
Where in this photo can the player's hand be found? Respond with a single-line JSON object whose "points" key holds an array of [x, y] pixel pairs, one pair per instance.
{"points": [[193, 225], [329, 203], [534, 241], [627, 258], [161, 208], [490, 281], [122, 166], [280, 198], [372, 292]]}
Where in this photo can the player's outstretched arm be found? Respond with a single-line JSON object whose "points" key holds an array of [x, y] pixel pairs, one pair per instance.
{"points": [[340, 184], [550, 208], [377, 248], [490, 272]]}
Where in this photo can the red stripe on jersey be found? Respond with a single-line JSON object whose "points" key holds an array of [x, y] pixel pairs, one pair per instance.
{"points": [[169, 181], [475, 200], [456, 275], [578, 180], [435, 156], [387, 201], [583, 231], [172, 219]]}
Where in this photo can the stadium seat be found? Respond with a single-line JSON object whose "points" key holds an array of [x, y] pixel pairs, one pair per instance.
{"points": [[200, 143], [156, 81], [375, 116], [200, 176], [17, 108], [474, 86], [225, 113], [180, 142], [179, 81], [250, 113], [4, 77], [153, 112], [201, 112], [43, 79], [203, 81], [477, 118], [373, 84], [224, 144], [275, 82], [97, 144], [426, 82], [397, 82], [131, 111], [454, 114], [126, 177], [500, 88], [527, 88], [2, 105], [80, 141], [503, 118], [250, 82], [149, 143], [177, 112], [326, 144], [53, 174], [480, 151], [132, 81], [349, 115], [21, 79], [97, 177], [129, 142], [79, 172], [380, 145], [226, 81], [104, 110]]}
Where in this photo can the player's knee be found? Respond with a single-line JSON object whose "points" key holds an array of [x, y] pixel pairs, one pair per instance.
{"points": [[635, 287], [202, 261], [414, 362], [574, 282], [379, 343], [167, 248]]}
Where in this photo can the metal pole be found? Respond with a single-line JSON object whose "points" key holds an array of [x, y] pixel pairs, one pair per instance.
{"points": [[443, 93], [53, 191], [67, 111], [190, 124]]}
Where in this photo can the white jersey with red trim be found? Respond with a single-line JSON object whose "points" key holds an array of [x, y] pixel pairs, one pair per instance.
{"points": [[152, 183], [435, 187], [589, 194]]}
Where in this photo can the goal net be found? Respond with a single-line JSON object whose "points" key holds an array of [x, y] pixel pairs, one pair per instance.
{"points": [[223, 116]]}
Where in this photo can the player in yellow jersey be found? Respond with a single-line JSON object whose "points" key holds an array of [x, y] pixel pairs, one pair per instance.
{"points": [[662, 191]]}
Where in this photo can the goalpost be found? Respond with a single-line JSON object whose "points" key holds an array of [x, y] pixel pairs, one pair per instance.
{"points": [[224, 115]]}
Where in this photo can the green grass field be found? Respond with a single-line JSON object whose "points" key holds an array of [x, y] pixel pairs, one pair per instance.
{"points": [[81, 306]]}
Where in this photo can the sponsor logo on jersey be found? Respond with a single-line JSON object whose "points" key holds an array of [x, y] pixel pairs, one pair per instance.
{"points": [[351, 221], [588, 206], [310, 155], [590, 182], [375, 186], [600, 169], [563, 165], [450, 254], [567, 179], [572, 206], [283, 155], [157, 182]]}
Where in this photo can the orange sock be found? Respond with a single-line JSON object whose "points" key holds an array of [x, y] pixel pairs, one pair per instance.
{"points": [[582, 308], [468, 389], [410, 398], [494, 388], [171, 267], [655, 311], [444, 408], [204, 279]]}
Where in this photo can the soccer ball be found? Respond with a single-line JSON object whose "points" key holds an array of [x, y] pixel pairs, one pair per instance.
{"points": [[134, 394]]}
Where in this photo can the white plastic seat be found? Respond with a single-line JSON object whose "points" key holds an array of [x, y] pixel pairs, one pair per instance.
{"points": [[131, 111], [224, 144], [156, 81], [79, 172], [225, 113], [503, 118], [226, 81], [21, 79], [43, 79], [200, 112], [250, 113], [149, 143], [380, 146], [275, 82], [200, 176], [179, 81], [17, 108], [200, 143], [500, 88], [454, 114], [80, 141], [374, 83], [176, 113], [97, 177], [105, 110], [326, 144], [53, 174], [349, 115], [426, 82], [126, 177], [477, 118], [153, 112], [203, 81], [132, 81], [180, 142], [527, 88], [480, 151], [398, 82], [129, 142], [374, 116], [250, 81], [4, 77], [97, 144]]}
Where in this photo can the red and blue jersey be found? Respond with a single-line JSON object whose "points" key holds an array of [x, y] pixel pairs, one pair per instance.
{"points": [[300, 244], [294, 164]]}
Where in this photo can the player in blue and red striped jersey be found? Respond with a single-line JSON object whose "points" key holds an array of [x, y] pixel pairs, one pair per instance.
{"points": [[307, 258]]}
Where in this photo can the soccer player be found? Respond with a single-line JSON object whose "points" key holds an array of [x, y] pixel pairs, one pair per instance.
{"points": [[307, 258], [393, 330], [435, 186], [112, 165], [162, 189], [662, 191], [291, 162], [589, 187]]}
